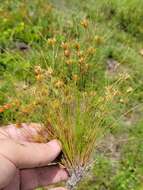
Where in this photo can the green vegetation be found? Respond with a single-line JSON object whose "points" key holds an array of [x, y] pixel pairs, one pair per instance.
{"points": [[44, 40]]}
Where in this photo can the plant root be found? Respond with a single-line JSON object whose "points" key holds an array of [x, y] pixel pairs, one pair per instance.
{"points": [[76, 175]]}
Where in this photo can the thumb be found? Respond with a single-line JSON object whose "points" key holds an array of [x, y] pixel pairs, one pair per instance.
{"points": [[29, 155]]}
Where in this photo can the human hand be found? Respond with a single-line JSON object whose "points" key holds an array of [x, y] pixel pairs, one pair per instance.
{"points": [[24, 164]]}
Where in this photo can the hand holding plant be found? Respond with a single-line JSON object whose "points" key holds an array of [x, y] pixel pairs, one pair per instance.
{"points": [[25, 165]]}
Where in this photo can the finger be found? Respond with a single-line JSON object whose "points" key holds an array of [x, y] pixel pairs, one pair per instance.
{"points": [[7, 171], [15, 183], [58, 188], [25, 132], [32, 178], [29, 155]]}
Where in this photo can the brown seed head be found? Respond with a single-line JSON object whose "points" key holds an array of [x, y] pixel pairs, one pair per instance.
{"points": [[18, 125], [67, 53], [2, 110], [7, 106], [65, 45], [39, 139]]}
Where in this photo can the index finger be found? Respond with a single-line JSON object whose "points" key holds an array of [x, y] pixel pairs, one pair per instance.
{"points": [[25, 132]]}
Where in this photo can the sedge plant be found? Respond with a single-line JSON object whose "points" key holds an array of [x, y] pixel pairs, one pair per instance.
{"points": [[77, 118], [67, 110], [64, 100]]}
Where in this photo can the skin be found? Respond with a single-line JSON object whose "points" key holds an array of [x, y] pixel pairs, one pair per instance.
{"points": [[24, 165]]}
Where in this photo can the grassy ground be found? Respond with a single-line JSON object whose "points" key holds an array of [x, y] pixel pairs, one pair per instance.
{"points": [[115, 33]]}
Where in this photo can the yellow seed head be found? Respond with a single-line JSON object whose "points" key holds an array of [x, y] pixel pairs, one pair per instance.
{"points": [[124, 76], [81, 60], [75, 77], [121, 100], [80, 54], [77, 46], [130, 89], [85, 23], [37, 69], [69, 62], [49, 71], [91, 51], [55, 104], [68, 99], [39, 77], [141, 52], [98, 39], [92, 93], [59, 83], [86, 66], [52, 41]]}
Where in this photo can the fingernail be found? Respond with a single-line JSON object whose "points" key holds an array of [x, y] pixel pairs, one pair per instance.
{"points": [[55, 144]]}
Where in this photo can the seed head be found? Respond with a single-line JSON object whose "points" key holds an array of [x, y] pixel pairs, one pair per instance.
{"points": [[98, 39], [81, 60], [130, 89], [16, 102], [124, 76], [2, 110], [59, 83], [39, 139], [18, 125], [122, 101], [85, 23], [65, 45], [86, 67], [52, 41], [77, 46], [39, 77], [55, 104], [67, 53], [92, 93], [80, 54], [69, 62], [49, 71], [75, 77], [91, 51], [141, 52], [110, 92], [37, 69], [7, 106], [26, 110]]}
